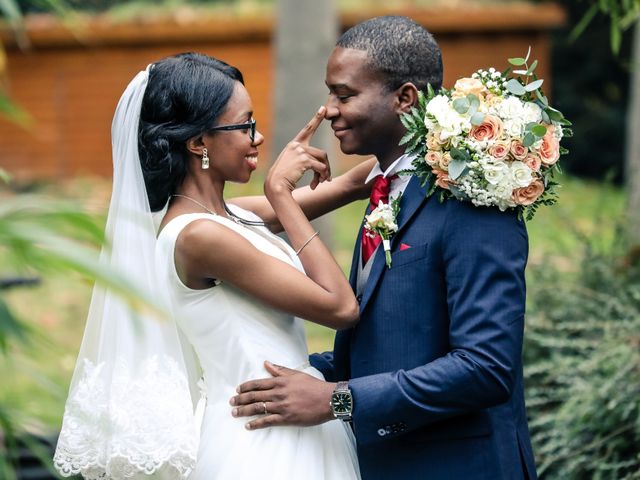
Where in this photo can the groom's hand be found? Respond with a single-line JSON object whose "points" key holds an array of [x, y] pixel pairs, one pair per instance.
{"points": [[291, 398]]}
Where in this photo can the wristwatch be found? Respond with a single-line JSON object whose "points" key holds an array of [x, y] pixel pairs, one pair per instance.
{"points": [[342, 402]]}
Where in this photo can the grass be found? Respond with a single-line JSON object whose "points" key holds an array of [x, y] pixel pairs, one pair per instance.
{"points": [[35, 377]]}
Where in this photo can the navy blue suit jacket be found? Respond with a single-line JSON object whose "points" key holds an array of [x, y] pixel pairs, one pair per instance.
{"points": [[435, 363]]}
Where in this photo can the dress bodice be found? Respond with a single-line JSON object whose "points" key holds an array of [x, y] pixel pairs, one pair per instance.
{"points": [[231, 332]]}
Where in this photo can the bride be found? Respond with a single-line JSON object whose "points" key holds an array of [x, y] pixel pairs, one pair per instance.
{"points": [[149, 396]]}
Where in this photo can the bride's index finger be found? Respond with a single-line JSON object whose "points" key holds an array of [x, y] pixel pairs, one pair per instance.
{"points": [[310, 128]]}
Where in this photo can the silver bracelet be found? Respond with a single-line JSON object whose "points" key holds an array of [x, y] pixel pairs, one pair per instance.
{"points": [[307, 242]]}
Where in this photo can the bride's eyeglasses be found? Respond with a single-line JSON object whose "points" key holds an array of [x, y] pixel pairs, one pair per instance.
{"points": [[251, 126]]}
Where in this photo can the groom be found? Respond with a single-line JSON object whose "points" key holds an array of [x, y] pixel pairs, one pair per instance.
{"points": [[434, 367]]}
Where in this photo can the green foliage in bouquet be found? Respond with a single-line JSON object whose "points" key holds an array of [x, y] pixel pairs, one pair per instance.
{"points": [[582, 368]]}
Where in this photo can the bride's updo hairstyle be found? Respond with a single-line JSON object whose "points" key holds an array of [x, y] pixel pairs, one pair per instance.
{"points": [[185, 95]]}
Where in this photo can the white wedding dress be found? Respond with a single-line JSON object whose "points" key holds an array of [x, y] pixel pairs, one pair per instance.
{"points": [[232, 334]]}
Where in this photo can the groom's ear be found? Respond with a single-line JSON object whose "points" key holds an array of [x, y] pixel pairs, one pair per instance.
{"points": [[406, 97]]}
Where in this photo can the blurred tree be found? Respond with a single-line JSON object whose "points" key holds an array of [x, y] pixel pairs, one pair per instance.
{"points": [[306, 31]]}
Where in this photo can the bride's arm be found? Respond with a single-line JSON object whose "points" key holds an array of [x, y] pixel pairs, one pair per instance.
{"points": [[206, 249]]}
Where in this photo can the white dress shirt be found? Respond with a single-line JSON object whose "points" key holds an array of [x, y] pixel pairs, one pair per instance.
{"points": [[398, 187]]}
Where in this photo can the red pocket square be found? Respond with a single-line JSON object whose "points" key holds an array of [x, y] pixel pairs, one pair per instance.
{"points": [[404, 246]]}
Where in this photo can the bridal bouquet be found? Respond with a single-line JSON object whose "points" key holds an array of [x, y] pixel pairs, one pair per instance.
{"points": [[493, 139]]}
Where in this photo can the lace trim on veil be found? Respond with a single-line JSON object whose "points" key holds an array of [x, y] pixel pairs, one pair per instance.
{"points": [[130, 425]]}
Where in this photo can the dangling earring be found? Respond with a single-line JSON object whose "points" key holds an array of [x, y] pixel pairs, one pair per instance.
{"points": [[205, 159]]}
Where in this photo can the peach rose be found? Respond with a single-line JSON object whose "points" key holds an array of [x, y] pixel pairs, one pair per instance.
{"points": [[518, 150], [550, 148], [433, 143], [433, 158], [442, 178], [500, 150], [466, 86], [528, 195], [533, 161], [492, 100], [444, 161], [490, 128]]}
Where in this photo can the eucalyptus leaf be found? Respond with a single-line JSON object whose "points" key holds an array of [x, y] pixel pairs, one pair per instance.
{"points": [[532, 67], [539, 130], [477, 118], [534, 85], [520, 72], [554, 114], [515, 87], [459, 194], [545, 117], [517, 61], [542, 98], [456, 168], [460, 155], [528, 140], [461, 105]]}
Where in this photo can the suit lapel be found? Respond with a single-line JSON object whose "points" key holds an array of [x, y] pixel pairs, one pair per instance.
{"points": [[353, 273], [414, 195]]}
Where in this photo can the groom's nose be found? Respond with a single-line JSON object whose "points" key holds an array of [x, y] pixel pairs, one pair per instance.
{"points": [[332, 111]]}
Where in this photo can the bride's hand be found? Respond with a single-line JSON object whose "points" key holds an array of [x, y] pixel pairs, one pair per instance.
{"points": [[298, 157]]}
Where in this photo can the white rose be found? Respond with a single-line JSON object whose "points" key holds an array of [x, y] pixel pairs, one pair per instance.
{"points": [[531, 113], [521, 174], [495, 173]]}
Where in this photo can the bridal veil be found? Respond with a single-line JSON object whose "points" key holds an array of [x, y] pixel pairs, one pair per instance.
{"points": [[130, 409]]}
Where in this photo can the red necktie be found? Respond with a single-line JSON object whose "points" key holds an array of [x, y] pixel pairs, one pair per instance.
{"points": [[379, 192]]}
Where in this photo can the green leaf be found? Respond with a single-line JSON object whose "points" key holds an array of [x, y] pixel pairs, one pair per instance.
{"points": [[517, 61], [10, 327], [545, 117], [461, 105], [460, 155], [532, 67], [407, 137], [541, 98], [615, 35], [583, 23], [534, 85], [554, 114], [539, 130], [456, 168], [528, 140], [515, 87], [477, 118]]}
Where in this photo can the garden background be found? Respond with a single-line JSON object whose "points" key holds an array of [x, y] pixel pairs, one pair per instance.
{"points": [[582, 342]]}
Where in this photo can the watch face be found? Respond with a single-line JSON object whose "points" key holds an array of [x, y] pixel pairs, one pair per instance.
{"points": [[341, 402]]}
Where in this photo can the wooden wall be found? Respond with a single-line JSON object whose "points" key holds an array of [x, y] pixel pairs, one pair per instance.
{"points": [[70, 79]]}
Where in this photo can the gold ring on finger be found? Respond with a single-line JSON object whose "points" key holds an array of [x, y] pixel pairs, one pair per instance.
{"points": [[264, 406]]}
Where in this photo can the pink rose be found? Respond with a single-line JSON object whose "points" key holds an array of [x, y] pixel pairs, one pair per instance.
{"points": [[528, 195], [499, 150], [533, 161], [466, 86], [518, 150], [490, 128], [442, 178], [550, 148]]}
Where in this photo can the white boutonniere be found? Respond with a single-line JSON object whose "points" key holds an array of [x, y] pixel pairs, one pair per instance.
{"points": [[382, 221]]}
